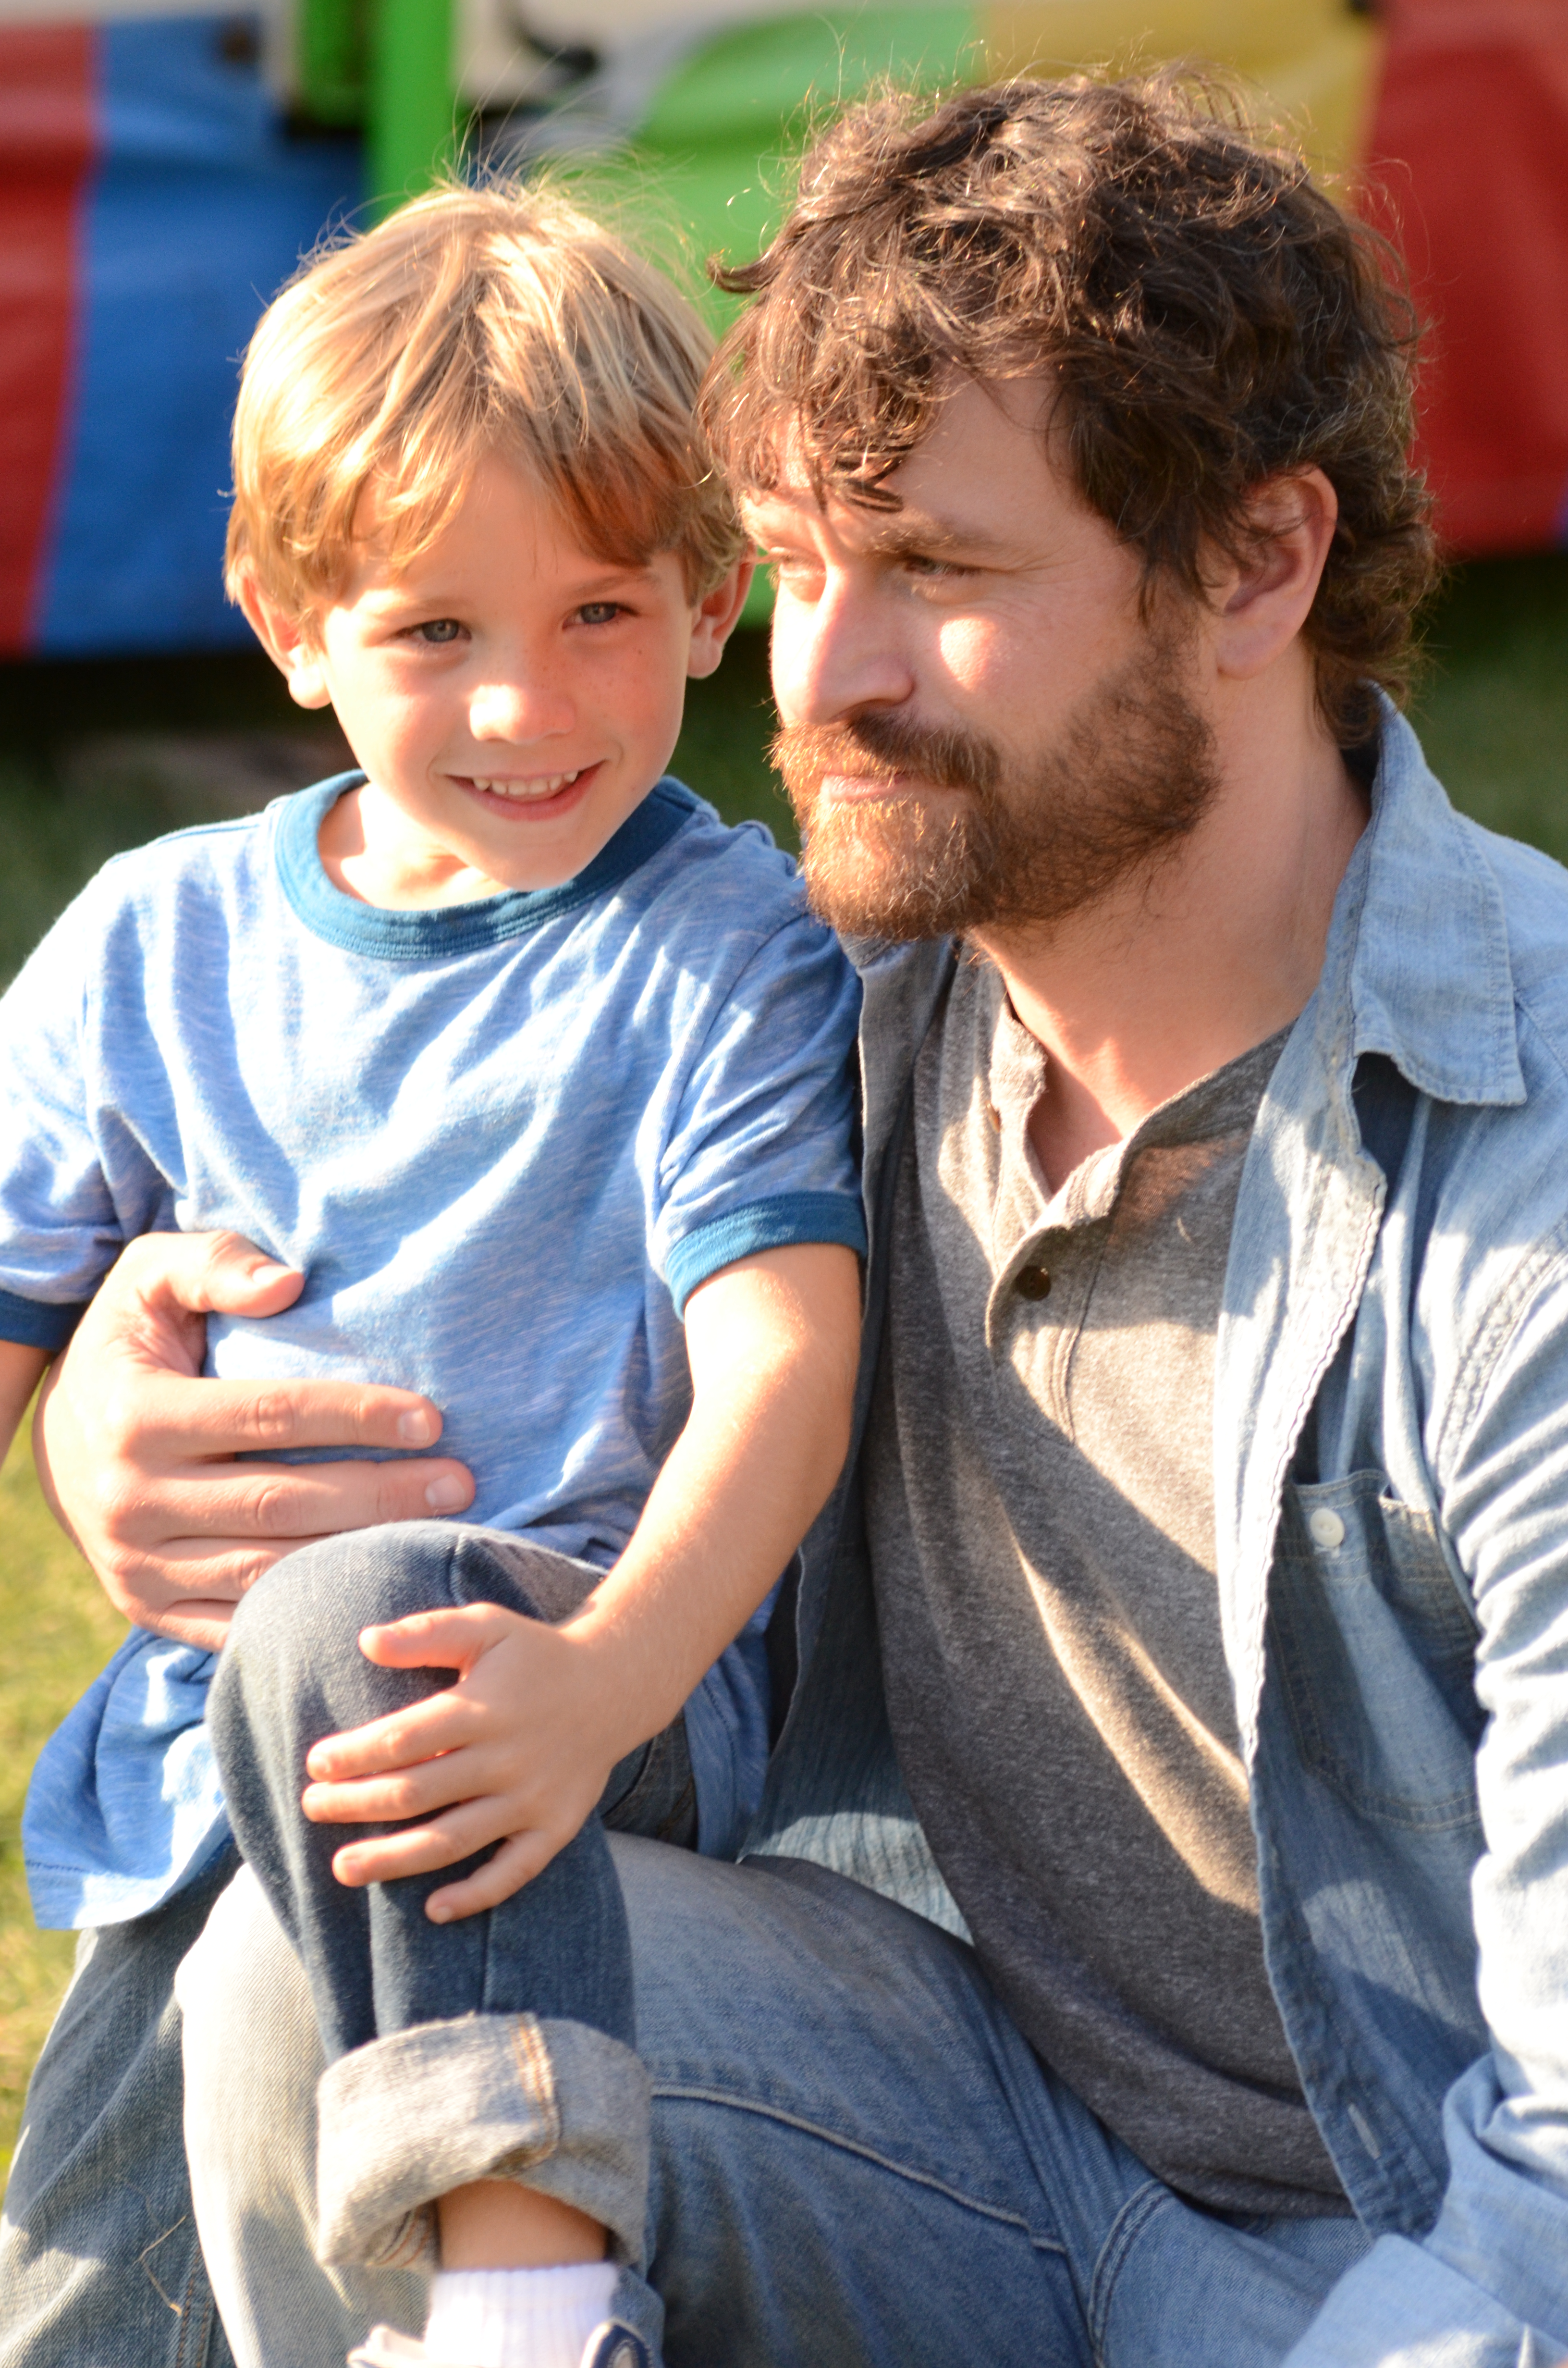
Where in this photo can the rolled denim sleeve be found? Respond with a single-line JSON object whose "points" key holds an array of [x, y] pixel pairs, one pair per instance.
{"points": [[1487, 2286]]}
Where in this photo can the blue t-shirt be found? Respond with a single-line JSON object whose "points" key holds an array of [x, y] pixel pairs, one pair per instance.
{"points": [[503, 1141]]}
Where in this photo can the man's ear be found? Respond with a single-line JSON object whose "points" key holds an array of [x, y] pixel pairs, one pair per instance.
{"points": [[715, 617], [1260, 602], [288, 643]]}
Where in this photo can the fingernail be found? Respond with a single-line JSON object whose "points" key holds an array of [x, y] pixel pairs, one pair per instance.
{"points": [[416, 1429], [445, 1494], [437, 1912]]}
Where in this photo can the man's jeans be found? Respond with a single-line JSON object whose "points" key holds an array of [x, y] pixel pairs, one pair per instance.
{"points": [[857, 2161], [856, 2156], [99, 2264]]}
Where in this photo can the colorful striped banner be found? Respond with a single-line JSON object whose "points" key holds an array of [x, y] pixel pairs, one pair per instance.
{"points": [[154, 196]]}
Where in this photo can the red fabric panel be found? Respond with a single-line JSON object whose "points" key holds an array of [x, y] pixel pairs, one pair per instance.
{"points": [[46, 146], [1470, 152]]}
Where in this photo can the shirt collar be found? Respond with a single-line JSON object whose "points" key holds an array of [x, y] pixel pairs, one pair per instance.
{"points": [[444, 932], [1417, 964]]}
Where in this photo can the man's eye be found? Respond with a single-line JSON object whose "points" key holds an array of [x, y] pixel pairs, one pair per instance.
{"points": [[439, 631], [784, 568], [599, 612]]}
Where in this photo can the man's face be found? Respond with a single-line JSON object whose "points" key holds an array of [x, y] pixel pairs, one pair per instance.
{"points": [[979, 726]]}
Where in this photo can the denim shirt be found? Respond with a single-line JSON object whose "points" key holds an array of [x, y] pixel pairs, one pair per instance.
{"points": [[1391, 1428]]}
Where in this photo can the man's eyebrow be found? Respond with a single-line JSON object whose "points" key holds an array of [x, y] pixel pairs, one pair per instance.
{"points": [[927, 538], [905, 536]]}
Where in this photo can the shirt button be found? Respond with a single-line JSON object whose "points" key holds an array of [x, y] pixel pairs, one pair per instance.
{"points": [[1033, 1283], [1326, 1528]]}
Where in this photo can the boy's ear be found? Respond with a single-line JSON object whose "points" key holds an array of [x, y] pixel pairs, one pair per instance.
{"points": [[715, 617], [287, 642]]}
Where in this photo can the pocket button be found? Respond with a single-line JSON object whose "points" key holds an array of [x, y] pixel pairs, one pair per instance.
{"points": [[1325, 1528]]}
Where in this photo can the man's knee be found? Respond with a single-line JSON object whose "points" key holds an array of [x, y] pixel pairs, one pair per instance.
{"points": [[244, 2004]]}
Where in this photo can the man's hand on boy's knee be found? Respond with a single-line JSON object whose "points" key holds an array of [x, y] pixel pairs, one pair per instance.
{"points": [[516, 1752], [135, 1449]]}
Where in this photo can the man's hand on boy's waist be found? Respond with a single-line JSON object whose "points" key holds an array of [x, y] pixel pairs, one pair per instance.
{"points": [[136, 1449]]}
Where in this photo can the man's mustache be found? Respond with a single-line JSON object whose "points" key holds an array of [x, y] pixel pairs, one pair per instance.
{"points": [[877, 744]]}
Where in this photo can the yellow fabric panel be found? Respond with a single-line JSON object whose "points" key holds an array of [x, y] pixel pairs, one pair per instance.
{"points": [[1313, 62]]}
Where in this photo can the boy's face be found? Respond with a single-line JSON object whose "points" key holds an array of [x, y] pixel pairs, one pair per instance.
{"points": [[511, 696]]}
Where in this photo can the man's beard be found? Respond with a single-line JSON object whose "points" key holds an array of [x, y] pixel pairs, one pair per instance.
{"points": [[1130, 775]]}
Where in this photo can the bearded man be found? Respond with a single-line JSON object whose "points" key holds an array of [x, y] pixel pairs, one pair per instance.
{"points": [[1150, 1949]]}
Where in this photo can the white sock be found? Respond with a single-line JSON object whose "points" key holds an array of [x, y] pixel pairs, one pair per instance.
{"points": [[517, 2318]]}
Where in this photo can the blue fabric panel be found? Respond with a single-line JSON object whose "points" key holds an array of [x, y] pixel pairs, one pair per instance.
{"points": [[35, 1322], [776, 1223], [199, 209]]}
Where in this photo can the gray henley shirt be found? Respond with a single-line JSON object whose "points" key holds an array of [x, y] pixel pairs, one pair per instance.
{"points": [[1040, 1510]]}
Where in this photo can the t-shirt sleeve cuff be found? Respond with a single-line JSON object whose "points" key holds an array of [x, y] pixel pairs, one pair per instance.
{"points": [[770, 1225], [35, 1322]]}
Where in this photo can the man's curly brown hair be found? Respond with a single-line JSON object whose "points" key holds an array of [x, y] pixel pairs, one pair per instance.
{"points": [[1211, 317]]}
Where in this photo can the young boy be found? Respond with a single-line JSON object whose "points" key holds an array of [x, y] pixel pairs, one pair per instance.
{"points": [[538, 1073]]}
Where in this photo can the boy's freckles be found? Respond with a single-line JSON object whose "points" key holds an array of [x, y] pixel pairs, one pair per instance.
{"points": [[511, 696]]}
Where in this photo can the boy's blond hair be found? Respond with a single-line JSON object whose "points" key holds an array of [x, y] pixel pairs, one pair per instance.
{"points": [[471, 321]]}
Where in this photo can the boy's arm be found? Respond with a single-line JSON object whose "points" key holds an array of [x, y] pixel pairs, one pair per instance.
{"points": [[21, 1370], [540, 1714]]}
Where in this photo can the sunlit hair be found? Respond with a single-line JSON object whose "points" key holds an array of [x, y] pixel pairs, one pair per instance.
{"points": [[1211, 317], [471, 322]]}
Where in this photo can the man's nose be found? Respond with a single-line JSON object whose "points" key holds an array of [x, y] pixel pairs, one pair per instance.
{"points": [[521, 710], [837, 653]]}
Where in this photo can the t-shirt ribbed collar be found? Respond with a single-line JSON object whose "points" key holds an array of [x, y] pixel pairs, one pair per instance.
{"points": [[436, 933]]}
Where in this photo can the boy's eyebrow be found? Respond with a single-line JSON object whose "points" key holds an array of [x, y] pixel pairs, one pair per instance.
{"points": [[401, 591]]}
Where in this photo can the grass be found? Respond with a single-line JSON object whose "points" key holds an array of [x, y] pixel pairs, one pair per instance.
{"points": [[59, 1631], [1493, 712], [1494, 709]]}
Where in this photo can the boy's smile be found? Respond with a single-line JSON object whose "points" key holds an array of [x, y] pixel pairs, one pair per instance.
{"points": [[511, 696]]}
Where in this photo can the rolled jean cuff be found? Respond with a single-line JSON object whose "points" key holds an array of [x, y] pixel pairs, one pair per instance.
{"points": [[555, 2105]]}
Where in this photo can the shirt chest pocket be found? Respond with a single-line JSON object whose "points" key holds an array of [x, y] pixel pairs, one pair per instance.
{"points": [[1373, 1647]]}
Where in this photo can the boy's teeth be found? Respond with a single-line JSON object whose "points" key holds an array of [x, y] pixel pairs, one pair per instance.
{"points": [[545, 786]]}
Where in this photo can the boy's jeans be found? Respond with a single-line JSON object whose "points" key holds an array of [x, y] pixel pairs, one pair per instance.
{"points": [[100, 2263], [506, 2040], [855, 2159]]}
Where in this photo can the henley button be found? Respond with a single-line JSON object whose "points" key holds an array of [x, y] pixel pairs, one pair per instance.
{"points": [[1326, 1528], [1033, 1283]]}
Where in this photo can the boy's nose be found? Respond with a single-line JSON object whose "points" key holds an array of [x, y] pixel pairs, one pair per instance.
{"points": [[519, 712]]}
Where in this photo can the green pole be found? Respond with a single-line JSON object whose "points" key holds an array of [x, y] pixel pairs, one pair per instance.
{"points": [[330, 60], [410, 111]]}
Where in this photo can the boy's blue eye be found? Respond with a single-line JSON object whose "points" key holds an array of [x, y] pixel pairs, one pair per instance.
{"points": [[598, 612], [439, 631]]}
